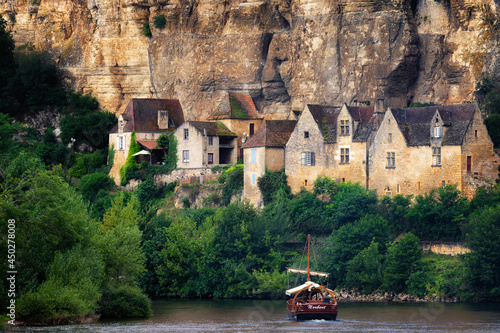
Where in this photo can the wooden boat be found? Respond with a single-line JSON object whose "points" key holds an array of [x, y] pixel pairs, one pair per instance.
{"points": [[311, 300]]}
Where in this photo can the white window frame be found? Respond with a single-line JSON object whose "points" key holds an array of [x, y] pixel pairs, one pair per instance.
{"points": [[120, 144], [308, 158], [438, 131], [185, 156]]}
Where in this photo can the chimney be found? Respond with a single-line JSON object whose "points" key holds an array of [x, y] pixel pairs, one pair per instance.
{"points": [[163, 119], [380, 105]]}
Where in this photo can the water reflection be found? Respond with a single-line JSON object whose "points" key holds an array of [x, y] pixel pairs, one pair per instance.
{"points": [[271, 316]]}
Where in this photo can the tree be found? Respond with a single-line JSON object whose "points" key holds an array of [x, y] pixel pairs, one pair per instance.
{"points": [[349, 240], [482, 233], [402, 260], [91, 184], [270, 183], [364, 271], [395, 209], [120, 242]]}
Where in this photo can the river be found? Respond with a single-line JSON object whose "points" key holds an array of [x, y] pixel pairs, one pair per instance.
{"points": [[271, 316]]}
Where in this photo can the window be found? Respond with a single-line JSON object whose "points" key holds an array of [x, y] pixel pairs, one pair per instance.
{"points": [[253, 158], [418, 185], [475, 134], [253, 179], [391, 160], [443, 183], [436, 156], [343, 180], [210, 158], [390, 137], [210, 140], [438, 130], [306, 135], [185, 156], [469, 163], [344, 127], [344, 155], [186, 134], [252, 129], [399, 188], [308, 158], [121, 125], [305, 182], [121, 142]]}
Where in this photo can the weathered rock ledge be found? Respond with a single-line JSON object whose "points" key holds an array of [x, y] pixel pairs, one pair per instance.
{"points": [[353, 296]]}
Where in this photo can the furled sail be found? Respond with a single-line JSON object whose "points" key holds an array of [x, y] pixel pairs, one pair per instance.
{"points": [[304, 271]]}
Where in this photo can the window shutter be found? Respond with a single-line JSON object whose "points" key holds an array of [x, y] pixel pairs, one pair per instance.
{"points": [[313, 159]]}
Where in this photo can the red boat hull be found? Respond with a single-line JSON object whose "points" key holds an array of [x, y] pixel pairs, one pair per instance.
{"points": [[312, 311]]}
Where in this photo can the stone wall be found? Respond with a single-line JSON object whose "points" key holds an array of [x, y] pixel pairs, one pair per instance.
{"points": [[450, 248], [304, 175], [257, 170]]}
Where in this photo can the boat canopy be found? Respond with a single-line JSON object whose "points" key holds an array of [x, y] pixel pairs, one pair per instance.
{"points": [[304, 271], [308, 285]]}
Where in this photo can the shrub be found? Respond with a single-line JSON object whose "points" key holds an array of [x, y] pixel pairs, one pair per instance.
{"points": [[146, 192], [159, 21], [91, 184], [270, 183], [146, 30], [125, 301]]}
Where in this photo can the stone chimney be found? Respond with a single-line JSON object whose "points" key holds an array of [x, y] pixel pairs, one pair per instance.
{"points": [[380, 106], [163, 119]]}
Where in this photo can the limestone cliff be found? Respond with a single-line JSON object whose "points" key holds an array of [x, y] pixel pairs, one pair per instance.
{"points": [[285, 53]]}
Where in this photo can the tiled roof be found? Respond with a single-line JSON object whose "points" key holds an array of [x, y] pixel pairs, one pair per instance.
{"points": [[215, 128], [415, 123], [236, 106], [272, 133], [326, 118], [364, 115], [141, 114], [149, 144]]}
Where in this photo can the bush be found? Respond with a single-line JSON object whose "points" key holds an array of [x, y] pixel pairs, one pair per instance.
{"points": [[125, 301], [146, 192], [146, 30], [91, 184], [159, 21], [270, 183]]}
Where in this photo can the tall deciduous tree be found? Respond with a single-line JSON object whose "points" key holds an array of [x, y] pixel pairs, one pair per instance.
{"points": [[403, 259], [120, 242]]}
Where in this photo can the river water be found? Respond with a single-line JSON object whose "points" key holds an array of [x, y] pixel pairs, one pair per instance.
{"points": [[271, 316]]}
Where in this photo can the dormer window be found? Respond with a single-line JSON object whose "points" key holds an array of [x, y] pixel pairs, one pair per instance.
{"points": [[438, 131], [121, 126], [344, 127]]}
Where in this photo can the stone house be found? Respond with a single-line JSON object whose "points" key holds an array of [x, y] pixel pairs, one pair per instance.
{"points": [[330, 141], [238, 112], [264, 151], [204, 143], [148, 118], [419, 149]]}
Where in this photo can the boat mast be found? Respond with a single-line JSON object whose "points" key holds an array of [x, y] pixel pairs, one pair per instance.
{"points": [[309, 257]]}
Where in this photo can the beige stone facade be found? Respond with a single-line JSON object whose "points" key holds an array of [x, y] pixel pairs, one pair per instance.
{"points": [[201, 144], [417, 150]]}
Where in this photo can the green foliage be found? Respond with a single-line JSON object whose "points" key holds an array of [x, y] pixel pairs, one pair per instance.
{"points": [[439, 214], [24, 165], [307, 215], [120, 241], [84, 122], [364, 271], [232, 178], [124, 301], [237, 110], [402, 260], [395, 209], [126, 171], [7, 130], [146, 192], [482, 233], [90, 185], [7, 62], [159, 21], [493, 125], [146, 29], [270, 183], [349, 240], [89, 163]]}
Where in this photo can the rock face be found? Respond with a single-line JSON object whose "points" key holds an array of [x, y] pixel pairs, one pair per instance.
{"points": [[285, 53]]}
